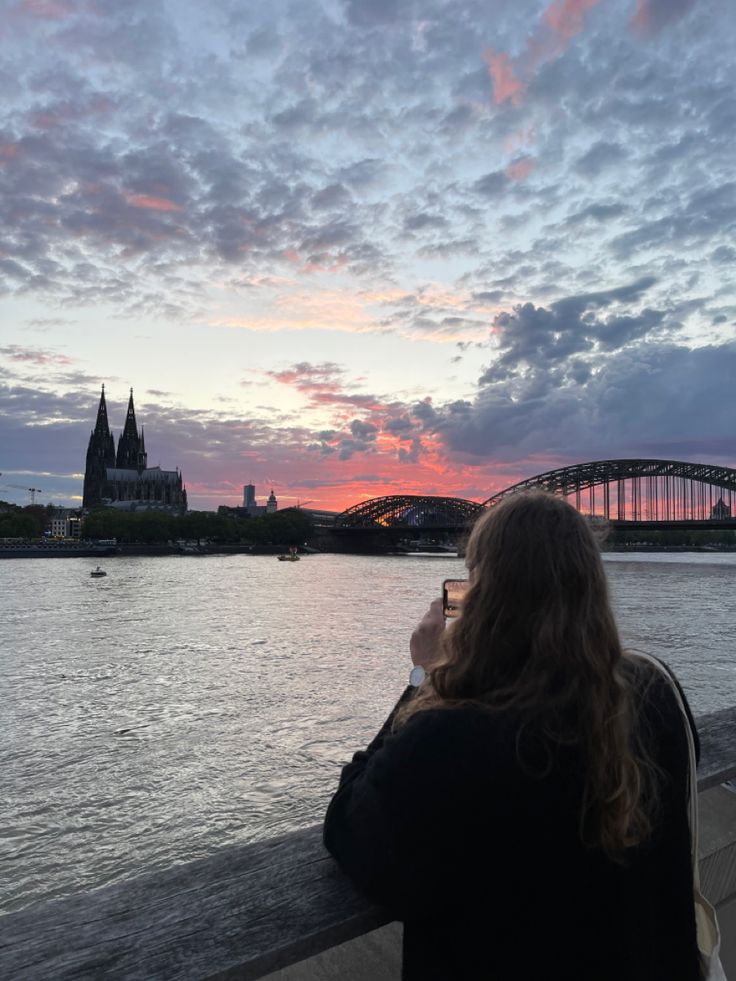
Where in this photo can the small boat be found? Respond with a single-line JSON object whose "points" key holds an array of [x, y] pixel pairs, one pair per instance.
{"points": [[291, 557], [98, 573]]}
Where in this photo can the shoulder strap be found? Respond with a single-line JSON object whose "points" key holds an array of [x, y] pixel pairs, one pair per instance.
{"points": [[692, 775]]}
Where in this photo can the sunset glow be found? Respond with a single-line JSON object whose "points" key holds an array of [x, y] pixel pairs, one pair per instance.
{"points": [[344, 251]]}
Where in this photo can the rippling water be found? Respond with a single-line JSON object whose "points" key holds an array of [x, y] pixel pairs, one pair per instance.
{"points": [[186, 703]]}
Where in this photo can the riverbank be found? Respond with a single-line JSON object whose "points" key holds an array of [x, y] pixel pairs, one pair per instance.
{"points": [[67, 550], [653, 549], [43, 549]]}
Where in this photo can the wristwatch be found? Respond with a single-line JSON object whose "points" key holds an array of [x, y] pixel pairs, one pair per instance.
{"points": [[417, 676]]}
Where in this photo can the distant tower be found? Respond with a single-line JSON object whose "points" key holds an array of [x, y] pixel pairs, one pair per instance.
{"points": [[720, 511], [271, 503], [100, 455], [249, 496], [131, 451]]}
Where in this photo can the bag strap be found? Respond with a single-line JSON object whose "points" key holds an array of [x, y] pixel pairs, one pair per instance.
{"points": [[664, 672]]}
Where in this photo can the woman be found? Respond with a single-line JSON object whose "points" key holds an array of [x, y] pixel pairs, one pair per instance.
{"points": [[523, 811]]}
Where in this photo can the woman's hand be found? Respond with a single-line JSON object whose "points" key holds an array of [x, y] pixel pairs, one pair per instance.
{"points": [[425, 641]]}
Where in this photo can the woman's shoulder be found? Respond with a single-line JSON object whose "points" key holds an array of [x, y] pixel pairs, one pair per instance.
{"points": [[660, 702], [653, 681]]}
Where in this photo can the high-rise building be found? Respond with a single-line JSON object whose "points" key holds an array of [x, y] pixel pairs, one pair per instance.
{"points": [[249, 496], [124, 480]]}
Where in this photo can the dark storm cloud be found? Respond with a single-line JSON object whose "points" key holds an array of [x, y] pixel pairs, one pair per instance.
{"points": [[663, 396], [531, 338]]}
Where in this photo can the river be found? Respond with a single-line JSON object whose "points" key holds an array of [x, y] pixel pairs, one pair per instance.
{"points": [[186, 703]]}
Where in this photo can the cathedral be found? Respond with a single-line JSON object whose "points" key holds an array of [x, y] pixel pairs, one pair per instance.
{"points": [[123, 480]]}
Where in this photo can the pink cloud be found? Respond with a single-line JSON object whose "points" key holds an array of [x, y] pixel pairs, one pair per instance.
{"points": [[505, 83], [566, 18], [519, 170], [560, 22], [152, 203], [322, 385], [8, 151]]}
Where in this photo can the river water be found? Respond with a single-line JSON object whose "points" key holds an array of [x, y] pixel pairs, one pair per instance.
{"points": [[187, 703]]}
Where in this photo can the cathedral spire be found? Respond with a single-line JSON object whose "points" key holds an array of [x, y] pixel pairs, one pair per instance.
{"points": [[129, 443], [100, 455], [102, 427]]}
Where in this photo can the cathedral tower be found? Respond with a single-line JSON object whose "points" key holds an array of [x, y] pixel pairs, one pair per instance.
{"points": [[131, 447], [100, 455]]}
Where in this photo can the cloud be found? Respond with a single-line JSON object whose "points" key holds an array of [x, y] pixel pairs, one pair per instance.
{"points": [[363, 430], [599, 157], [652, 16], [34, 356], [566, 18], [372, 13], [560, 22], [46, 9], [491, 185], [154, 203], [506, 86], [362, 168], [533, 340], [654, 400], [520, 169]]}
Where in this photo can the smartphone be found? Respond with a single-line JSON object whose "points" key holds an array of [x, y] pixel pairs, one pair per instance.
{"points": [[453, 594]]}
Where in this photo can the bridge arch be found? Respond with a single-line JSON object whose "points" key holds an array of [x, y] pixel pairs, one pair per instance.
{"points": [[639, 490], [424, 512]]}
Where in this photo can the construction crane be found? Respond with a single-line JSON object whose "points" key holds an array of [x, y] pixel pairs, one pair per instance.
{"points": [[31, 490]]}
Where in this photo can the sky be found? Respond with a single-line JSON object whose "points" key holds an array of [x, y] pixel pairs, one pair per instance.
{"points": [[347, 248]]}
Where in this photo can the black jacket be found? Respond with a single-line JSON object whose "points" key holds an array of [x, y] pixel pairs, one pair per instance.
{"points": [[483, 863]]}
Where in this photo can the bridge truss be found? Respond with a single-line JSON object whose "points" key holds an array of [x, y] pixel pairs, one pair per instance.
{"points": [[410, 511], [639, 490]]}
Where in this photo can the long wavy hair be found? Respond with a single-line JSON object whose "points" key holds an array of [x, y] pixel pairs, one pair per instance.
{"points": [[537, 637]]}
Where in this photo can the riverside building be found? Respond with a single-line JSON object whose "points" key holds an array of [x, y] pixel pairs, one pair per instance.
{"points": [[123, 479]]}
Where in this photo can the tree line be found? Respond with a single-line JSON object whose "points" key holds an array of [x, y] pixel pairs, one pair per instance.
{"points": [[153, 527], [288, 527]]}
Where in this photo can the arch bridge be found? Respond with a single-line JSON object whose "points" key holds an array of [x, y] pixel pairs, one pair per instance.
{"points": [[407, 512], [635, 493], [645, 492]]}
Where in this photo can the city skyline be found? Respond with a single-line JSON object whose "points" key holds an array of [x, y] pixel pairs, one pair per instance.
{"points": [[349, 248]]}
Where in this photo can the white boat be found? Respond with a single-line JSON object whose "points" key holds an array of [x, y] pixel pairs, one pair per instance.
{"points": [[98, 573]]}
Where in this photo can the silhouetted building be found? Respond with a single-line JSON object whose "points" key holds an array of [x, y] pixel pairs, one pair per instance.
{"points": [[124, 480], [720, 510], [271, 503], [249, 496]]}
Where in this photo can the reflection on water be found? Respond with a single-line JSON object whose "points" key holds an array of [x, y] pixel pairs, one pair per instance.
{"points": [[182, 704]]}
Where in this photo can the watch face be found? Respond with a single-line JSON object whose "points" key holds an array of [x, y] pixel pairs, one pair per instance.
{"points": [[417, 676]]}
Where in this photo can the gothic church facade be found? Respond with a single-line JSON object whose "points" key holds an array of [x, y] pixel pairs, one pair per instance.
{"points": [[124, 480]]}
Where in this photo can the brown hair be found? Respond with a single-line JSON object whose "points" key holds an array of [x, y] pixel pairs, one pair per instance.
{"points": [[537, 637]]}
